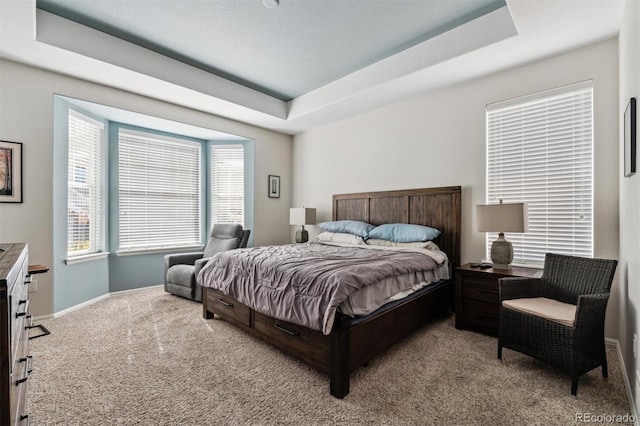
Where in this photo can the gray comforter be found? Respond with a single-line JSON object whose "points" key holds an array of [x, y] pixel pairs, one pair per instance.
{"points": [[304, 283]]}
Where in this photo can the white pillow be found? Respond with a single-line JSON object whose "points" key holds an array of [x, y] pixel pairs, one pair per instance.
{"points": [[339, 237], [429, 245]]}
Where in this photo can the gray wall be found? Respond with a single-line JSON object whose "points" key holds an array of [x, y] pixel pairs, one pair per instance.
{"points": [[438, 139], [629, 266]]}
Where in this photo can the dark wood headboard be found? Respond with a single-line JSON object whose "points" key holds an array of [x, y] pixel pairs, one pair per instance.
{"points": [[436, 207]]}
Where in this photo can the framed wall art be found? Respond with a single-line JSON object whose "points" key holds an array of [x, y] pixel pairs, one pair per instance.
{"points": [[630, 138], [10, 172], [274, 186]]}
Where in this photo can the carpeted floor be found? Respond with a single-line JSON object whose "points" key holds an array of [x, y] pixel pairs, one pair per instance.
{"points": [[149, 358]]}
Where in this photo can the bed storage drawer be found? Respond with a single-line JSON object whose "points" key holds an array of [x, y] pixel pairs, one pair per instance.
{"points": [[291, 337], [228, 308]]}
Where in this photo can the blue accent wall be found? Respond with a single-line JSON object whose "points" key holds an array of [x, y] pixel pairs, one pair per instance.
{"points": [[77, 283]]}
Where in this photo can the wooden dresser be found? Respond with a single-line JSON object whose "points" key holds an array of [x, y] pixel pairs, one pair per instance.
{"points": [[477, 295], [15, 363]]}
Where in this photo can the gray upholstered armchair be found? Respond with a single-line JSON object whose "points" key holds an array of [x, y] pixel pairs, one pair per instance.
{"points": [[559, 318], [180, 270]]}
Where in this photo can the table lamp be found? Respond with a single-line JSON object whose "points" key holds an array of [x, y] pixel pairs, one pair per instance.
{"points": [[302, 216], [501, 218]]}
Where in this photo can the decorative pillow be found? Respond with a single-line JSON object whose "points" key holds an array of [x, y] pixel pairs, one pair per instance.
{"points": [[403, 232], [429, 245], [354, 227], [339, 237]]}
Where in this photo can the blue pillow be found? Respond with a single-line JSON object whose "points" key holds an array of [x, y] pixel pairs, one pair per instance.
{"points": [[404, 233], [354, 227]]}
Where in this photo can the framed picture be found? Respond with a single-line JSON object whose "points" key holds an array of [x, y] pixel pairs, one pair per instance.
{"points": [[10, 172], [274, 186], [630, 138]]}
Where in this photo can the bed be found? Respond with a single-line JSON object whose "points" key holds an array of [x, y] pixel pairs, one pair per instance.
{"points": [[353, 342]]}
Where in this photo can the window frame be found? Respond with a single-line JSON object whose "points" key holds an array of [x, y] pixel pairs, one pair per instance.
{"points": [[579, 218], [98, 237], [175, 139], [213, 145]]}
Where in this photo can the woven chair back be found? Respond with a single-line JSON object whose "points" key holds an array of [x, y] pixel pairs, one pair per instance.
{"points": [[571, 276]]}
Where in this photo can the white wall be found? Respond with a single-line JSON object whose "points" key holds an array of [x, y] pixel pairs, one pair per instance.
{"points": [[629, 266], [26, 115], [438, 139]]}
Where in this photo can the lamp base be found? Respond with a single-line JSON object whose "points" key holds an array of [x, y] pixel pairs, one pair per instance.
{"points": [[501, 253], [302, 236]]}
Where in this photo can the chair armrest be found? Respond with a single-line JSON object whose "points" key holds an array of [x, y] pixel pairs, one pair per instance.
{"points": [[181, 259], [198, 266], [519, 287], [591, 310]]}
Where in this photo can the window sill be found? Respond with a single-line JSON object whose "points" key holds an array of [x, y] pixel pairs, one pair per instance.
{"points": [[86, 258], [137, 252]]}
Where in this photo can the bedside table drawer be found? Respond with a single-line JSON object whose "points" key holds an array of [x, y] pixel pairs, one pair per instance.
{"points": [[485, 290], [478, 296], [480, 314]]}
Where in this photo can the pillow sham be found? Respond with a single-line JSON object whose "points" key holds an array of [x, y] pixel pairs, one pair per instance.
{"points": [[339, 237], [429, 245], [354, 227], [403, 232]]}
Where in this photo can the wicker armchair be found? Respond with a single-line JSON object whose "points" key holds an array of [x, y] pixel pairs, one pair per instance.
{"points": [[574, 284]]}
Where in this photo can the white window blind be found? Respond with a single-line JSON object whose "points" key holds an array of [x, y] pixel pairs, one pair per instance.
{"points": [[159, 192], [86, 182], [227, 184], [540, 151]]}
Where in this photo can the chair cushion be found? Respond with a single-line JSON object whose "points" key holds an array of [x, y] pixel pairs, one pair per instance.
{"points": [[553, 310], [181, 275], [226, 230], [216, 245]]}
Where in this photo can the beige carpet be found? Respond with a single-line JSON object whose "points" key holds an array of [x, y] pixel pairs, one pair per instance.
{"points": [[148, 358]]}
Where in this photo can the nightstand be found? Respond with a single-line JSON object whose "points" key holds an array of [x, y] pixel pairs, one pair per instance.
{"points": [[477, 300]]}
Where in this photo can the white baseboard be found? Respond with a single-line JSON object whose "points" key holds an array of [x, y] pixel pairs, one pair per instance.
{"points": [[81, 305], [91, 302], [627, 383]]}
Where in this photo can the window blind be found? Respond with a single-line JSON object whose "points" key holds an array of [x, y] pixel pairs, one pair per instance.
{"points": [[159, 191], [540, 151], [86, 194], [227, 184]]}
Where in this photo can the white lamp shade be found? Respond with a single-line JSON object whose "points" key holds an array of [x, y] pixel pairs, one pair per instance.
{"points": [[302, 216], [512, 217]]}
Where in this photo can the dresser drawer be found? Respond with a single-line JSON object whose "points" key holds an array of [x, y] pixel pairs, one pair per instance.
{"points": [[482, 289], [21, 417], [18, 323], [313, 344], [18, 389], [228, 308], [21, 371]]}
